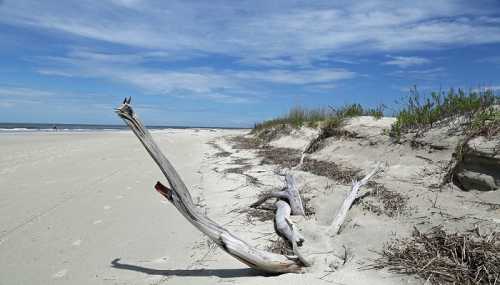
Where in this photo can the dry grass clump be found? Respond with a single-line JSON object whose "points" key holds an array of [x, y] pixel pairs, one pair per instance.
{"points": [[445, 258], [392, 203], [330, 170]]}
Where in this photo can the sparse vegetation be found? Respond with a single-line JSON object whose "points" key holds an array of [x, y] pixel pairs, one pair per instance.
{"points": [[298, 116], [445, 258], [422, 113]]}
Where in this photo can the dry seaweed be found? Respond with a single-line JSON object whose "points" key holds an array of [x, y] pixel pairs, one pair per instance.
{"points": [[445, 258], [394, 203], [284, 157], [289, 158], [280, 246], [222, 154], [390, 203], [308, 209], [330, 129], [262, 214], [238, 170], [244, 142], [252, 180], [331, 170], [240, 161], [269, 134]]}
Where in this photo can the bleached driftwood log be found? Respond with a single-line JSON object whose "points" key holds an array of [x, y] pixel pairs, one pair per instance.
{"points": [[180, 197], [290, 193], [286, 228], [282, 213], [346, 205], [295, 246]]}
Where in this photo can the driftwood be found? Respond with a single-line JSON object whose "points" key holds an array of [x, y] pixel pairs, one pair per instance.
{"points": [[286, 228], [282, 213], [353, 195], [180, 197], [290, 193]]}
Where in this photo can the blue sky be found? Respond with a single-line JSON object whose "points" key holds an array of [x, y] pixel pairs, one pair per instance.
{"points": [[233, 63]]}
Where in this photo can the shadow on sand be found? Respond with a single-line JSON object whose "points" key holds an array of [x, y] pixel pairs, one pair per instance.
{"points": [[221, 273]]}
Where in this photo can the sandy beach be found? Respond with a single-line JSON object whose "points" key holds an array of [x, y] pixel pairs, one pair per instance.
{"points": [[80, 207], [71, 203]]}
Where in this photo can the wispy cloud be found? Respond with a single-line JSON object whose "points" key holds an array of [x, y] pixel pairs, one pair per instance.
{"points": [[261, 32], [490, 59], [430, 74], [487, 87], [241, 52], [221, 85], [406, 61], [22, 92]]}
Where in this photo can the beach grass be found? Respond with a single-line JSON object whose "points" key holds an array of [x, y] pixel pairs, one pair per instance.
{"points": [[318, 117], [420, 113]]}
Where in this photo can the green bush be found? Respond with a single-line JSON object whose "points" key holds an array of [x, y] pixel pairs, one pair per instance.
{"points": [[420, 114]]}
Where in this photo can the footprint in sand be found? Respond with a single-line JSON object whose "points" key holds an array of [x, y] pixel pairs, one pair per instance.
{"points": [[77, 242], [97, 222], [60, 274]]}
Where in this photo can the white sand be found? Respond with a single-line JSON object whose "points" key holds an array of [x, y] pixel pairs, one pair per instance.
{"points": [[72, 203]]}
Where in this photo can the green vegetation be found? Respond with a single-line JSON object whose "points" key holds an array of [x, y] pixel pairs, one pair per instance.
{"points": [[419, 114], [321, 117]]}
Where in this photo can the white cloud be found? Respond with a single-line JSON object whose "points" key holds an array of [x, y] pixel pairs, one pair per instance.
{"points": [[222, 85], [429, 74], [490, 59], [487, 87], [406, 61], [21, 92], [297, 76], [260, 32]]}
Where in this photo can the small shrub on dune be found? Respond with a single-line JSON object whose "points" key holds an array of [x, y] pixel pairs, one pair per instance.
{"points": [[420, 114], [319, 117]]}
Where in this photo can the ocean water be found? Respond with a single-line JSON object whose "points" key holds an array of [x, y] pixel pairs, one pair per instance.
{"points": [[33, 127], [38, 127]]}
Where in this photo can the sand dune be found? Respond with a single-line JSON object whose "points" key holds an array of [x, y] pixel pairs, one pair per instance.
{"points": [[79, 208]]}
